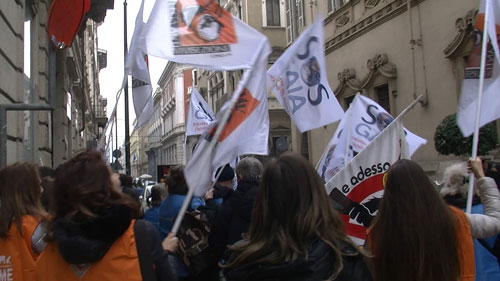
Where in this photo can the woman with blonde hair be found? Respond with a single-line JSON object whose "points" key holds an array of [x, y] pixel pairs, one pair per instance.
{"points": [[21, 217], [295, 233]]}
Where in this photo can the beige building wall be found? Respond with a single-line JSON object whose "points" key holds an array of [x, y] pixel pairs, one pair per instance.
{"points": [[47, 137], [367, 45], [175, 88]]}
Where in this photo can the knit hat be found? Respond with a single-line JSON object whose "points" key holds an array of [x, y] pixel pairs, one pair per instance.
{"points": [[227, 173]]}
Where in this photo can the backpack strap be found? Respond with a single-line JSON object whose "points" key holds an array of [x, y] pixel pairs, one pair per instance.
{"points": [[143, 251]]}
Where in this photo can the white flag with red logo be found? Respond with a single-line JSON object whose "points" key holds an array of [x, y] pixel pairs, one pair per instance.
{"points": [[200, 115], [246, 131], [137, 66], [298, 81], [202, 33], [361, 123], [358, 188], [490, 102]]}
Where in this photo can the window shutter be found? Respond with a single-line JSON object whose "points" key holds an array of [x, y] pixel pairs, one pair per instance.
{"points": [[288, 11]]}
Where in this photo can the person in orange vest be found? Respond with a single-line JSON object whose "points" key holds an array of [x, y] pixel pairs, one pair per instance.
{"points": [[21, 217], [416, 236], [93, 234]]}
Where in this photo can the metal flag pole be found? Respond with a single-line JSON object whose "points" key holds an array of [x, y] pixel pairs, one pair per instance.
{"points": [[475, 139], [125, 92]]}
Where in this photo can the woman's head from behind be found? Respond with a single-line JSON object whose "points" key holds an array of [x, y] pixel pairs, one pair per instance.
{"points": [[19, 194], [176, 181], [291, 208], [85, 186], [414, 229]]}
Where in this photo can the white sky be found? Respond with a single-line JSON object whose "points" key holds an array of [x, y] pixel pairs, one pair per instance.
{"points": [[110, 38]]}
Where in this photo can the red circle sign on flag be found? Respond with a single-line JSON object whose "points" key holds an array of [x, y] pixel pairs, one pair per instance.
{"points": [[65, 19]]}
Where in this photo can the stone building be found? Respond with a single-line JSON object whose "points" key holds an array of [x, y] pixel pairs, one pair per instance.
{"points": [[175, 83], [62, 85], [139, 140], [155, 132], [392, 51]]}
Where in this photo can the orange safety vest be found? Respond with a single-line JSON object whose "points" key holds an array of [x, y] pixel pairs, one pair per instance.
{"points": [[120, 263], [17, 259], [465, 246]]}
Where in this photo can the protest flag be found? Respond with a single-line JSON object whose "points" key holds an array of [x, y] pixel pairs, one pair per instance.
{"points": [[246, 130], [137, 66], [200, 115], [361, 123], [298, 81], [479, 102], [469, 97], [201, 33]]}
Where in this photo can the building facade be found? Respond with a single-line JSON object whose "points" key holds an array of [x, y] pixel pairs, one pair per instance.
{"points": [[155, 132], [392, 51], [175, 85], [63, 84]]}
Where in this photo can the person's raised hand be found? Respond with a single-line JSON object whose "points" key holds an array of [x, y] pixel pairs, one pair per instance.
{"points": [[476, 166]]}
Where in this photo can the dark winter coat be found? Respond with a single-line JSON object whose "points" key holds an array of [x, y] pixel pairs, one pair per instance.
{"points": [[233, 217], [317, 266]]}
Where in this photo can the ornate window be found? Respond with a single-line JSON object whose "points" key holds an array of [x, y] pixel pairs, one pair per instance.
{"points": [[379, 82]]}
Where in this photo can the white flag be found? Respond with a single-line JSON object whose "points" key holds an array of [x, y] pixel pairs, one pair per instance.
{"points": [[137, 66], [357, 189], [246, 131], [361, 123], [202, 33], [299, 82], [200, 115], [490, 102]]}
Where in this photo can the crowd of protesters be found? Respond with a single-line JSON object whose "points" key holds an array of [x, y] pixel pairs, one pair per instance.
{"points": [[257, 222]]}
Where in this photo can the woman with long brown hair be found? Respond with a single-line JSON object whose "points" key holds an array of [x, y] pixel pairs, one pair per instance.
{"points": [[294, 233], [21, 217], [417, 237], [93, 234]]}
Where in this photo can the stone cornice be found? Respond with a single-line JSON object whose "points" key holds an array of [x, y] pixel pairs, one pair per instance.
{"points": [[365, 24], [378, 64], [465, 28]]}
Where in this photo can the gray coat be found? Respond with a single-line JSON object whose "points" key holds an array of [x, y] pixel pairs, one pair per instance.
{"points": [[487, 224]]}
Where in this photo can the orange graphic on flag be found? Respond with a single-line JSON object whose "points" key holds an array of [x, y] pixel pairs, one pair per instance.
{"points": [[204, 22], [245, 105], [473, 64]]}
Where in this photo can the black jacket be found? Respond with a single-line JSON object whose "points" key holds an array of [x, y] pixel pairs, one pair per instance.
{"points": [[233, 218], [88, 242], [318, 266]]}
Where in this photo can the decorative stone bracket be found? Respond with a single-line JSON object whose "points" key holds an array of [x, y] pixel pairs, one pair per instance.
{"points": [[465, 29], [378, 64]]}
